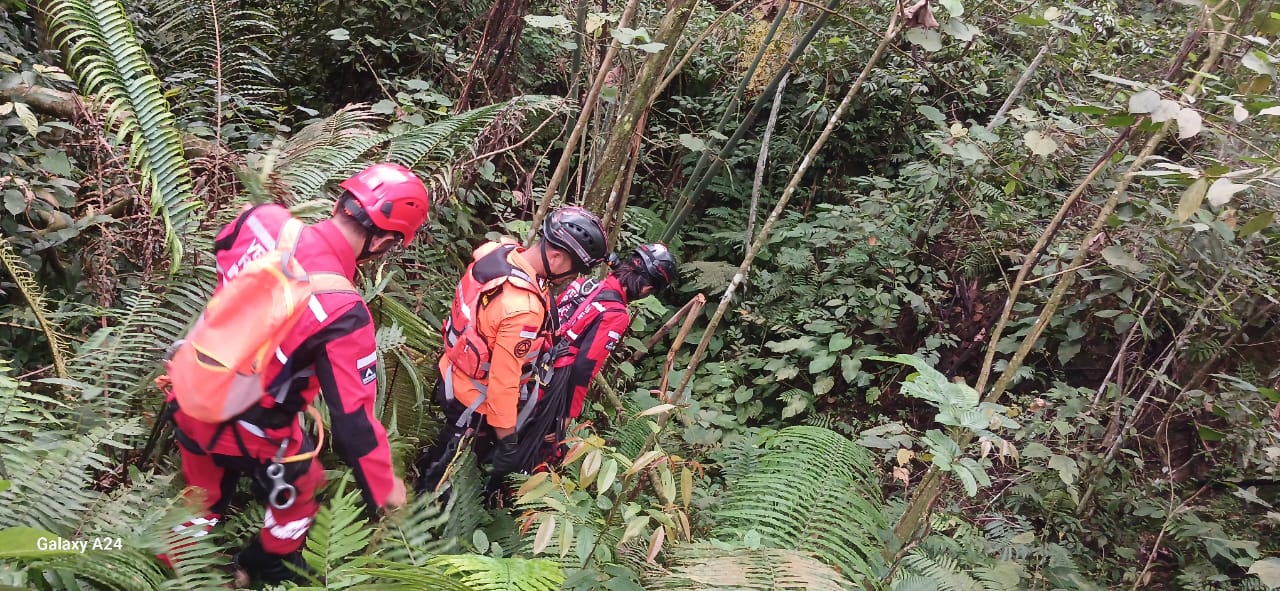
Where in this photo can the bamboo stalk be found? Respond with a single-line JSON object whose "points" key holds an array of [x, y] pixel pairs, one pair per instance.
{"points": [[890, 33]]}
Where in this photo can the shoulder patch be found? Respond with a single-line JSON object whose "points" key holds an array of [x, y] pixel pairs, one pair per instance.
{"points": [[522, 348]]}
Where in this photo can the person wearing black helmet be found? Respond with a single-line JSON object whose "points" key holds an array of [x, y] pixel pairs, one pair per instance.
{"points": [[495, 331], [592, 317]]}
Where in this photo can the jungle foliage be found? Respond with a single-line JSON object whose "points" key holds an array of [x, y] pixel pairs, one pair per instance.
{"points": [[998, 302]]}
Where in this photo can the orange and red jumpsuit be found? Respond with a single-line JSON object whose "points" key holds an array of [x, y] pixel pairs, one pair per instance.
{"points": [[331, 350]]}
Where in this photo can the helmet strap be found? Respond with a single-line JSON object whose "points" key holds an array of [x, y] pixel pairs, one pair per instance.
{"points": [[546, 265]]}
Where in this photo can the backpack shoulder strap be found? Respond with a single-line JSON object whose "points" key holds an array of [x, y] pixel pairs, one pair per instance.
{"points": [[328, 282]]}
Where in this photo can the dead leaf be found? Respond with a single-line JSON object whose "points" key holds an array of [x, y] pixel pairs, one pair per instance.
{"points": [[901, 473], [919, 16]]}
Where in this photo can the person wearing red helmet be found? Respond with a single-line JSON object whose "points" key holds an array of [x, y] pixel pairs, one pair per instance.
{"points": [[493, 334], [330, 349]]}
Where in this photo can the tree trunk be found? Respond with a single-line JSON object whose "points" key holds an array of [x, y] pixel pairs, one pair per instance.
{"points": [[502, 27], [614, 160]]}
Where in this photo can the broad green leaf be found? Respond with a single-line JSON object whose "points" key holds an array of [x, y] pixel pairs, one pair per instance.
{"points": [[694, 144], [839, 342], [1067, 351], [849, 367], [1239, 113], [1052, 13], [1256, 224], [634, 527], [1221, 191], [1268, 571], [1259, 62], [608, 472], [339, 34], [1067, 468], [28, 542], [927, 39], [14, 201], [823, 385], [1036, 450], [1189, 123], [1145, 101], [1039, 144], [821, 363], [1117, 256], [931, 113], [1191, 199]]}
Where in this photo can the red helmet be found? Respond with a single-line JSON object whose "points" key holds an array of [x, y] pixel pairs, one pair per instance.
{"points": [[392, 197]]}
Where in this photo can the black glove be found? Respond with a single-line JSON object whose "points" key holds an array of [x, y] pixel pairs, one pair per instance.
{"points": [[506, 459]]}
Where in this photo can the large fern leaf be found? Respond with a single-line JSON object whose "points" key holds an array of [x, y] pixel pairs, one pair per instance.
{"points": [[485, 573], [31, 291], [704, 567], [110, 65], [815, 491]]}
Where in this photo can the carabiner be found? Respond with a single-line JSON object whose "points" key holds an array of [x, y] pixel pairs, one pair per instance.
{"points": [[275, 471]]}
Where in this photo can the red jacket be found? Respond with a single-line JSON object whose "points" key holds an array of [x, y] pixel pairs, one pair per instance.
{"points": [[331, 349], [593, 327]]}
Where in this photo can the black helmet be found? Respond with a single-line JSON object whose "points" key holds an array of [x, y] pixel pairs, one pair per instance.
{"points": [[656, 263], [577, 232]]}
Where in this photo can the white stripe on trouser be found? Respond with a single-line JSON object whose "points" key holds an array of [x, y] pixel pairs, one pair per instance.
{"points": [[366, 360], [614, 335], [290, 531]]}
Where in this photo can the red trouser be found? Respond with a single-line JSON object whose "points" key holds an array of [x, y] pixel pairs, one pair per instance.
{"points": [[216, 474]]}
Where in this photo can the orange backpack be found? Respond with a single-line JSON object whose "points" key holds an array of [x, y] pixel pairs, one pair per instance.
{"points": [[217, 371]]}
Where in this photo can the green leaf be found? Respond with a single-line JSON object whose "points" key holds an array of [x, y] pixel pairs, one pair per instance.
{"points": [[1145, 101], [694, 144], [839, 342], [1117, 256], [1036, 449], [1039, 144], [931, 113], [29, 542], [1254, 225], [849, 367], [795, 406], [1067, 351], [823, 385], [821, 363], [1067, 468], [1208, 434], [1191, 199], [339, 34], [1268, 571], [1259, 62], [928, 40], [14, 201]]}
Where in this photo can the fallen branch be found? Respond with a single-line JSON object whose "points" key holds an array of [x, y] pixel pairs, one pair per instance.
{"points": [[67, 105]]}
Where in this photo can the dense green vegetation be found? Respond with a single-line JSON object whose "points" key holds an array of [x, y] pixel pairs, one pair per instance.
{"points": [[992, 287]]}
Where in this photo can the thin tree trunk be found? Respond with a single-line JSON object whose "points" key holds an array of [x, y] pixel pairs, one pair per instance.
{"points": [[613, 161], [701, 179], [890, 33], [764, 159], [1021, 85], [588, 106]]}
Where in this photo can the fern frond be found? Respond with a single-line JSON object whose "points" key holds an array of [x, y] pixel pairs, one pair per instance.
{"points": [[413, 536], [814, 491], [485, 573], [109, 63], [426, 148], [704, 567], [31, 291], [338, 534]]}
